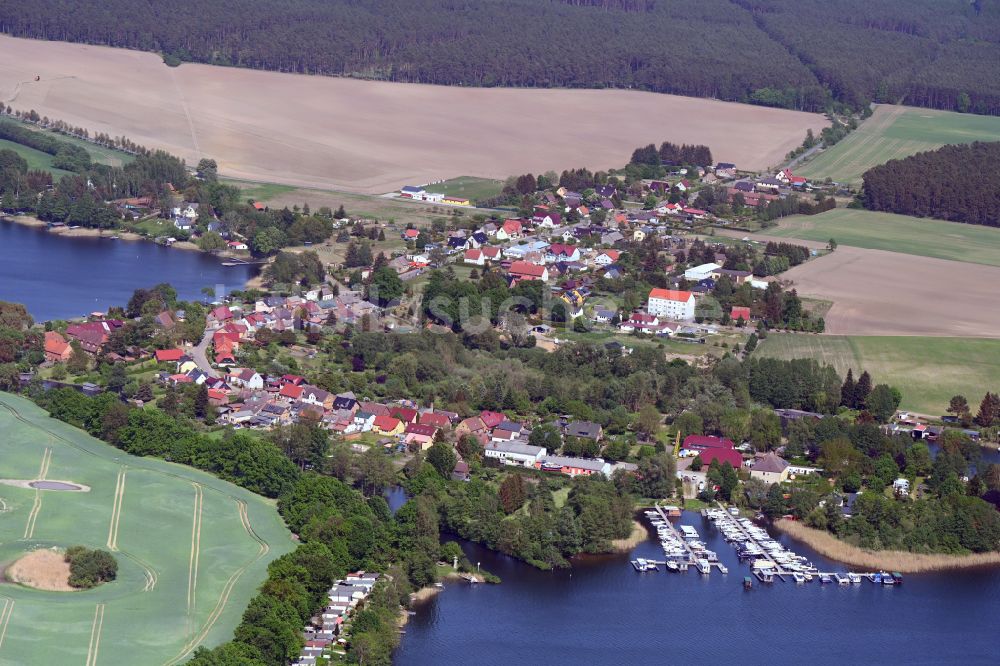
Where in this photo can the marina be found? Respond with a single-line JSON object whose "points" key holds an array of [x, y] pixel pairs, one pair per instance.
{"points": [[768, 559]]}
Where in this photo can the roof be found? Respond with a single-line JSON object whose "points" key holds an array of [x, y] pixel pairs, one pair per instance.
{"points": [[707, 442], [740, 312], [169, 355], [55, 343], [583, 429], [731, 456], [527, 269], [434, 419], [420, 429], [386, 423], [491, 419], [671, 295], [516, 447], [579, 463], [291, 391], [770, 463], [404, 414]]}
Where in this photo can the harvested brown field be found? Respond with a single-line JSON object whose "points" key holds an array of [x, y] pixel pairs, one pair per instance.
{"points": [[42, 569], [886, 560], [875, 292], [370, 137]]}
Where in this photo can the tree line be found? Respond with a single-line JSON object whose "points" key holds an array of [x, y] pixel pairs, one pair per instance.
{"points": [[772, 52], [959, 183]]}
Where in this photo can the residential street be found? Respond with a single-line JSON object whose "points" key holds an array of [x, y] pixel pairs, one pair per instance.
{"points": [[198, 353]]}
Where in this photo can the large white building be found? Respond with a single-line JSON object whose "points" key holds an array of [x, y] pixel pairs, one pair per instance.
{"points": [[703, 272], [515, 453], [671, 304]]}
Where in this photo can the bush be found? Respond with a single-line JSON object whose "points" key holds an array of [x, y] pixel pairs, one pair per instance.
{"points": [[89, 568]]}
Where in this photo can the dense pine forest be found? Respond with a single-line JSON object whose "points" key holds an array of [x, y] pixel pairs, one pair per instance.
{"points": [[958, 183], [803, 54]]}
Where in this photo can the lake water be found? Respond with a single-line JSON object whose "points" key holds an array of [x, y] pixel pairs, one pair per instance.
{"points": [[58, 277], [604, 612]]}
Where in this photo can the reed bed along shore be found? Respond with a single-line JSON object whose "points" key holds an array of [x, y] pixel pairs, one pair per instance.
{"points": [[886, 560]]}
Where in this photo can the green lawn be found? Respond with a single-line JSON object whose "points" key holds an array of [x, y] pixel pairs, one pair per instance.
{"points": [[98, 154], [971, 243], [191, 549], [36, 159], [264, 191], [928, 371], [468, 186], [894, 132]]}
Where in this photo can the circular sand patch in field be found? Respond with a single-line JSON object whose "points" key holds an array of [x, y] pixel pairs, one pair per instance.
{"points": [[42, 569]]}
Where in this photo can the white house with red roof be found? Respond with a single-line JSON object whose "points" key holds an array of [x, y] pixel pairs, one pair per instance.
{"points": [[562, 252], [607, 257], [474, 258], [671, 304], [509, 230]]}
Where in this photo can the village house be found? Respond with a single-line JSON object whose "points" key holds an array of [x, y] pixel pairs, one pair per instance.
{"points": [[387, 425], [607, 257], [57, 350], [710, 448], [523, 270], [770, 469], [584, 429], [740, 312]]}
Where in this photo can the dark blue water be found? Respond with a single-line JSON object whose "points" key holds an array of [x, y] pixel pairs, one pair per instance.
{"points": [[58, 277], [604, 612]]}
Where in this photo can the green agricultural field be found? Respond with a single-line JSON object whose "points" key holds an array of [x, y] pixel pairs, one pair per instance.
{"points": [[191, 549], [896, 233], [36, 159], [893, 132], [468, 186], [928, 371]]}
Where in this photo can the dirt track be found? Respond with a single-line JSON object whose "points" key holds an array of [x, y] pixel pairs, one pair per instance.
{"points": [[367, 136]]}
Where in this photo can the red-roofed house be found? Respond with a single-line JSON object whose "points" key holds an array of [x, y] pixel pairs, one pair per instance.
{"points": [[562, 252], [91, 335], [671, 303], [387, 425], [56, 347], [474, 257], [509, 229], [168, 355], [404, 414], [730, 456], [522, 270], [217, 397], [704, 442], [492, 419], [435, 419], [220, 315], [290, 391], [607, 257], [491, 253], [740, 312]]}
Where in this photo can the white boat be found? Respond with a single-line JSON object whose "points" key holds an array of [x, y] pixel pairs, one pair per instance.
{"points": [[798, 577], [703, 566]]}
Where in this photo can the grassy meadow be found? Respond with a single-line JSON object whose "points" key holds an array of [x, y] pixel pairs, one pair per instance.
{"points": [[894, 132], [36, 159], [468, 186], [191, 549], [923, 237], [927, 370]]}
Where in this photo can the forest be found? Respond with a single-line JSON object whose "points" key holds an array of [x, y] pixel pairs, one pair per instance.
{"points": [[936, 53], [956, 182]]}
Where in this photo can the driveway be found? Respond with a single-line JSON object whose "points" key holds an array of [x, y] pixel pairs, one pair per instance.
{"points": [[200, 353]]}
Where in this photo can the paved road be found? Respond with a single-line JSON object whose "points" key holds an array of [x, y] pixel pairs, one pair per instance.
{"points": [[200, 355]]}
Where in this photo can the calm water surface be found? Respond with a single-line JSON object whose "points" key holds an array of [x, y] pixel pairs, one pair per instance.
{"points": [[58, 277], [604, 612]]}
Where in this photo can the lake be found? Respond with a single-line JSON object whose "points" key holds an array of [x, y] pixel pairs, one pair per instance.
{"points": [[604, 612], [58, 277]]}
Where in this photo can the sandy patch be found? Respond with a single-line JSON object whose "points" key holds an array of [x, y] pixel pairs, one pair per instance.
{"points": [[366, 136], [43, 570]]}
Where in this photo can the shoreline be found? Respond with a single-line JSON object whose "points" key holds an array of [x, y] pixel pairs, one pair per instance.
{"points": [[638, 535], [255, 282], [888, 560]]}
